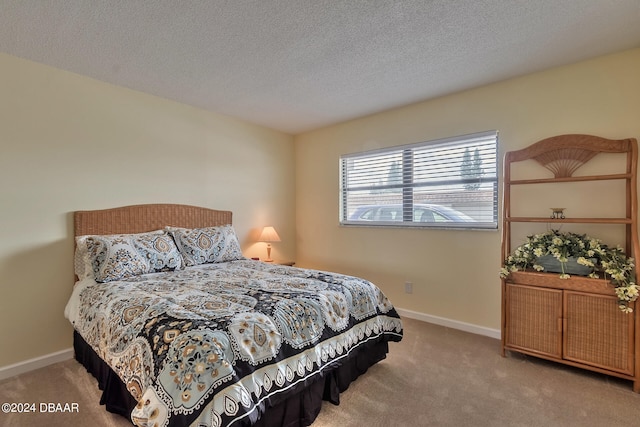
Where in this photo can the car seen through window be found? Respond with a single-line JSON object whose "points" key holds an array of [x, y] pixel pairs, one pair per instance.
{"points": [[421, 213]]}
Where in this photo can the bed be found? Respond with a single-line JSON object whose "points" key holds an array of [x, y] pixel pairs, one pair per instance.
{"points": [[180, 329]]}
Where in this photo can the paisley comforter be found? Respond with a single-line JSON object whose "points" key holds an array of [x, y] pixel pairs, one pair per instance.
{"points": [[209, 345]]}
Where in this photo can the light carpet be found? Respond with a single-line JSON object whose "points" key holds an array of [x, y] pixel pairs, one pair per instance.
{"points": [[436, 376]]}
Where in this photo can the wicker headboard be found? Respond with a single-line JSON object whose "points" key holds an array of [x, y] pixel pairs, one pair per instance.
{"points": [[142, 218]]}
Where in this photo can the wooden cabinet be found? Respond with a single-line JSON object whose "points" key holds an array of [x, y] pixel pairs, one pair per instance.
{"points": [[573, 321], [581, 325]]}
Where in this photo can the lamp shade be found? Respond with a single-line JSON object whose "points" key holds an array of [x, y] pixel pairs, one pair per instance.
{"points": [[269, 234]]}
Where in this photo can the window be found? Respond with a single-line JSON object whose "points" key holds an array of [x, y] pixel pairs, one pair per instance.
{"points": [[448, 183]]}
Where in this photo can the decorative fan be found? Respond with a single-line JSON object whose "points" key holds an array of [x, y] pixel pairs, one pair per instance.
{"points": [[563, 162]]}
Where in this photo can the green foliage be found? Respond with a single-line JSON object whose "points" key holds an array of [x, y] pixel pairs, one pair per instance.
{"points": [[471, 169], [608, 263]]}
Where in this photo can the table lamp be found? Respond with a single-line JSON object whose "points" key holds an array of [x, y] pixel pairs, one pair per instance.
{"points": [[269, 235]]}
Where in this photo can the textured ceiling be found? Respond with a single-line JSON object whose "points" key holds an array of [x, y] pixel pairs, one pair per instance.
{"points": [[298, 65]]}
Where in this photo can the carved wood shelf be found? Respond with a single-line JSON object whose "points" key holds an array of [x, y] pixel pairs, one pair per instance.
{"points": [[574, 321]]}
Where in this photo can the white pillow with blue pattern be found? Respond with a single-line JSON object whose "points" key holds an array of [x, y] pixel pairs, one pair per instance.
{"points": [[120, 256], [207, 245]]}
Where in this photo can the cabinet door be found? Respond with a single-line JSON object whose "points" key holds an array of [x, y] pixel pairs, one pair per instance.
{"points": [[533, 320], [597, 333]]}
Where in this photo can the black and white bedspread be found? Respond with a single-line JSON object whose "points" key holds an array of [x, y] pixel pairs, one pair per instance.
{"points": [[209, 345]]}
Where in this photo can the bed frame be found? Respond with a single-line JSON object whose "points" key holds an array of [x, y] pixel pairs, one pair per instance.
{"points": [[300, 409]]}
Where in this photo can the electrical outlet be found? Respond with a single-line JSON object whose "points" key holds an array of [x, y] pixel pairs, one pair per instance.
{"points": [[408, 287]]}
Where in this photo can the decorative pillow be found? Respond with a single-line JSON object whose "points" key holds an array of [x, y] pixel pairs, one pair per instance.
{"points": [[81, 262], [159, 250], [207, 245], [120, 256]]}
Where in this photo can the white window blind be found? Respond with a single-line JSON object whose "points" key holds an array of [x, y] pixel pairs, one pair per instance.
{"points": [[450, 183]]}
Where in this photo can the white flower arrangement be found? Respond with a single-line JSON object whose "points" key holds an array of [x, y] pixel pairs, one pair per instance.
{"points": [[605, 262]]}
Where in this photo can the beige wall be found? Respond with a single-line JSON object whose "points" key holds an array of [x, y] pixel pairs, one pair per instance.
{"points": [[455, 273], [71, 143]]}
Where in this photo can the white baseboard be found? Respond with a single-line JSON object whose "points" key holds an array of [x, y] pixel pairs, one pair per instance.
{"points": [[35, 363], [60, 356], [455, 324]]}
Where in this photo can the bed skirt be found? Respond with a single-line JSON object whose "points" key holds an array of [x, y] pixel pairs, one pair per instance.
{"points": [[298, 410]]}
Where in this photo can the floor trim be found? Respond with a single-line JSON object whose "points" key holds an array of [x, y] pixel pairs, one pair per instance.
{"points": [[455, 324], [35, 363], [60, 356]]}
